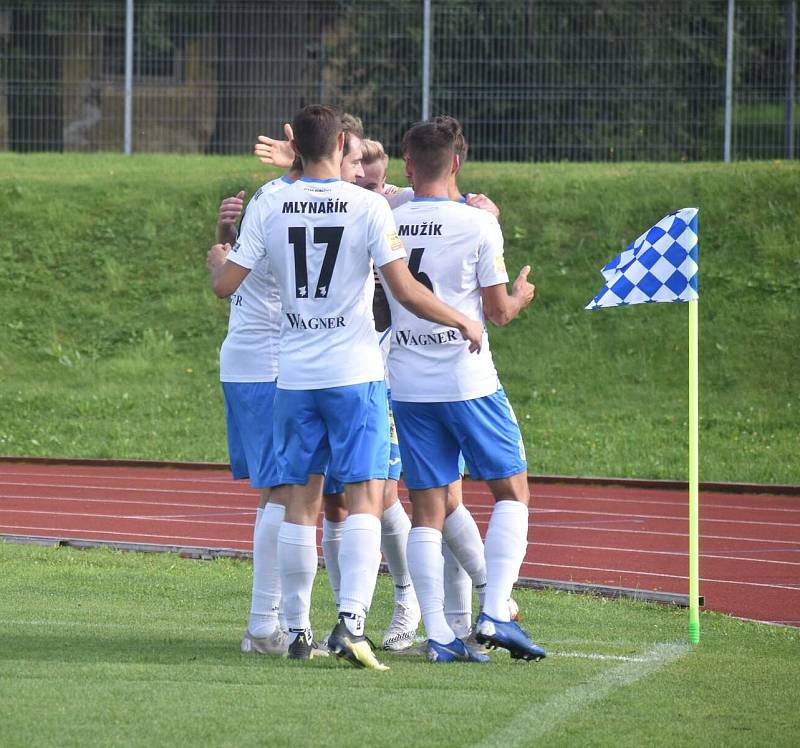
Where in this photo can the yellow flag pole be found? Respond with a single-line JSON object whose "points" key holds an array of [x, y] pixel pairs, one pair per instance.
{"points": [[694, 454]]}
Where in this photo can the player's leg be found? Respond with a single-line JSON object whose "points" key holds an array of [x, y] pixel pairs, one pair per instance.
{"points": [[301, 451], [395, 526], [463, 539], [357, 422], [334, 514], [249, 411], [492, 446], [430, 459]]}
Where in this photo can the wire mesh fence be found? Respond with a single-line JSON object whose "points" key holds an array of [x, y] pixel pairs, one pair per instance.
{"points": [[532, 80]]}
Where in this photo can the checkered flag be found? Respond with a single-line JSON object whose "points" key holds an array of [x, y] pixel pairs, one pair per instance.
{"points": [[661, 265]]}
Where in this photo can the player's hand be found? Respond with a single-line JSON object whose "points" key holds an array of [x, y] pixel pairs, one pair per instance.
{"points": [[523, 290], [217, 256], [473, 332], [482, 203], [276, 152], [231, 208]]}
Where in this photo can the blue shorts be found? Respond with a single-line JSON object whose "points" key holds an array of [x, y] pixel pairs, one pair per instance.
{"points": [[248, 414], [342, 432], [484, 430], [395, 464]]}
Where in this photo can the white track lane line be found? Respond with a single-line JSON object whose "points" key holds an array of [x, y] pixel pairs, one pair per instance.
{"points": [[123, 502], [120, 537], [593, 527], [641, 517], [223, 478], [254, 492], [133, 517], [530, 725], [703, 501], [662, 576], [680, 554]]}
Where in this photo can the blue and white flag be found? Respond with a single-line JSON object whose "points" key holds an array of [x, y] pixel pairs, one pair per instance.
{"points": [[661, 265]]}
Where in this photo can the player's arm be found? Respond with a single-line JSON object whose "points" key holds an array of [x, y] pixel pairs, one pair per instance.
{"points": [[420, 301], [229, 211], [226, 276], [482, 202], [500, 307], [276, 152]]}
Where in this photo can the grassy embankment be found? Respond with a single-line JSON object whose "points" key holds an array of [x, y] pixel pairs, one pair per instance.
{"points": [[108, 344]]}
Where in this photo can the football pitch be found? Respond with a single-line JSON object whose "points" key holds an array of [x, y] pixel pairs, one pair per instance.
{"points": [[108, 648]]}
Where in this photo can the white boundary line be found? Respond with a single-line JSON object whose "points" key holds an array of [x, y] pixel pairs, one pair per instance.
{"points": [[538, 720]]}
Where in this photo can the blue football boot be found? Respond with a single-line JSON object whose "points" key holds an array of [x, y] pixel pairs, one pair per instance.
{"points": [[508, 635], [455, 651]]}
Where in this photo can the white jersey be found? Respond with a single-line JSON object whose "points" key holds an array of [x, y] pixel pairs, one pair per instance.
{"points": [[455, 250], [249, 352], [321, 237]]}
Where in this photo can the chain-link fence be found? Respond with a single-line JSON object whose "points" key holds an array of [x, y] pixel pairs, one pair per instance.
{"points": [[530, 79]]}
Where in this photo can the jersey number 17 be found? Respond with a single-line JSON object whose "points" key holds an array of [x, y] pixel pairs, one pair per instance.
{"points": [[331, 237]]}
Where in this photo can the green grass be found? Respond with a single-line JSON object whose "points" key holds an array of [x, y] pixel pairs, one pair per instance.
{"points": [[109, 334], [105, 648]]}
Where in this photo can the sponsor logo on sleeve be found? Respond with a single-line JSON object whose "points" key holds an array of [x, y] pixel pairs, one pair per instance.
{"points": [[499, 263], [394, 241]]}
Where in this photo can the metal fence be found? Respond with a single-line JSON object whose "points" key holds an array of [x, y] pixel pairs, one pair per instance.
{"points": [[533, 80]]}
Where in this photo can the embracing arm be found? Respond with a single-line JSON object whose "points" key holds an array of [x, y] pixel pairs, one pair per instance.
{"points": [[276, 152], [226, 276], [229, 211], [420, 301]]}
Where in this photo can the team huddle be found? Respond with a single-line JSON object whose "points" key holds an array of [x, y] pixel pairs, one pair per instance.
{"points": [[356, 346]]}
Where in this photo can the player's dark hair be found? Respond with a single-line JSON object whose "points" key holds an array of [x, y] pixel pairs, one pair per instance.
{"points": [[316, 128], [430, 146], [351, 125], [459, 140]]}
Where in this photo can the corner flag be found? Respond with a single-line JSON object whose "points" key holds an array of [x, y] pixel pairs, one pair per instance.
{"points": [[661, 265]]}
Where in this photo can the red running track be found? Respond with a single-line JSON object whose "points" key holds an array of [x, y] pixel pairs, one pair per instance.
{"points": [[623, 537]]}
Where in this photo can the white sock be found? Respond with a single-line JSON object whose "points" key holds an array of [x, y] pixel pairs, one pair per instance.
{"points": [[427, 570], [331, 541], [506, 543], [457, 595], [297, 556], [464, 539], [266, 596], [395, 525], [359, 560]]}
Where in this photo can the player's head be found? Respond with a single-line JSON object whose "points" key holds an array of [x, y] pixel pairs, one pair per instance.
{"points": [[318, 133], [353, 138], [373, 162], [459, 141], [429, 150]]}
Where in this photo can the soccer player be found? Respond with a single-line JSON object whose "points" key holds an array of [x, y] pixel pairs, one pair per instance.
{"points": [[320, 237], [446, 401], [248, 372]]}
